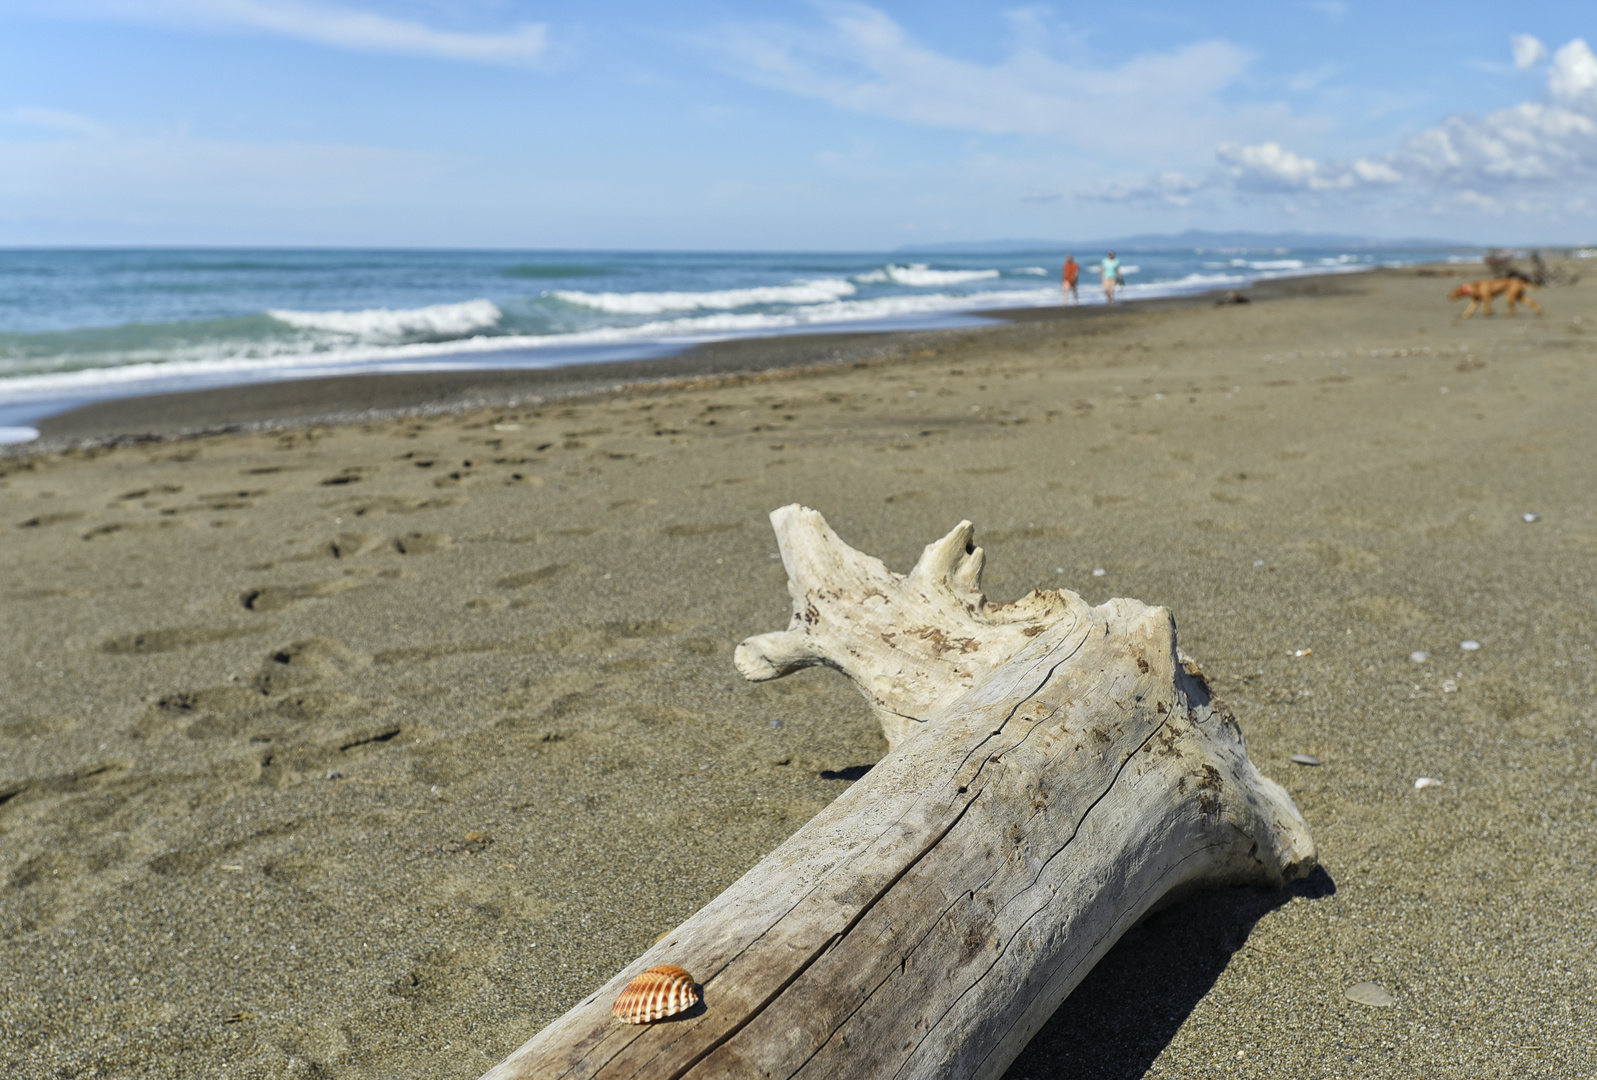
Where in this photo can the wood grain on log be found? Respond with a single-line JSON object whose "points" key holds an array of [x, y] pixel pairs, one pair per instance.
{"points": [[931, 919]]}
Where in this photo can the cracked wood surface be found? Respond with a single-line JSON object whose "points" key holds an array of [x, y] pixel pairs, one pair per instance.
{"points": [[912, 643], [931, 919]]}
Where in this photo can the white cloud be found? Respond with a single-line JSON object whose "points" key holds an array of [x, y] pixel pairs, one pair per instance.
{"points": [[1519, 156], [1270, 167], [344, 28], [864, 61], [1528, 51], [1546, 144], [1375, 172], [1572, 80]]}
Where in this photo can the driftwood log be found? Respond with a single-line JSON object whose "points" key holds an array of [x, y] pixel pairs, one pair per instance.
{"points": [[1057, 771]]}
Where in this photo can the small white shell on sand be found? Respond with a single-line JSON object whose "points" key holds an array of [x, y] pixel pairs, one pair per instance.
{"points": [[1099, 572], [1448, 686], [1258, 562], [1531, 519], [1303, 652], [1368, 993], [1305, 759], [1419, 656], [1427, 781], [1469, 645]]}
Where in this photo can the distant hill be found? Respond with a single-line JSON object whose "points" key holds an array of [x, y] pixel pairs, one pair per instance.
{"points": [[1187, 241]]}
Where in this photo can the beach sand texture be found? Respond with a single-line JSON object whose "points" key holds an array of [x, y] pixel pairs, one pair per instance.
{"points": [[367, 750]]}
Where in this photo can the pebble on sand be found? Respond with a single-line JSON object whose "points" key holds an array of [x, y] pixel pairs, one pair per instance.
{"points": [[1426, 781], [1305, 759], [1419, 656], [1368, 993], [1099, 572], [1531, 519], [1469, 645]]}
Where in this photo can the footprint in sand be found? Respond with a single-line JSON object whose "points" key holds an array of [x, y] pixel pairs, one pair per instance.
{"points": [[346, 545], [150, 492], [216, 710], [278, 597], [145, 642], [351, 475], [418, 543], [391, 504], [43, 520], [304, 662], [286, 699]]}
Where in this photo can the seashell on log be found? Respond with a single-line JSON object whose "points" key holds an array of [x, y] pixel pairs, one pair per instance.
{"points": [[657, 993]]}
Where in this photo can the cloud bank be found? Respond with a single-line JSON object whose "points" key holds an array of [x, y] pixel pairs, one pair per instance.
{"points": [[1174, 108], [1535, 148]]}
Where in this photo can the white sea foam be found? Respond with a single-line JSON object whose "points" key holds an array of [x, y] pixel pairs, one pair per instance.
{"points": [[656, 303], [920, 275], [1190, 284], [422, 356], [1031, 270], [383, 324]]}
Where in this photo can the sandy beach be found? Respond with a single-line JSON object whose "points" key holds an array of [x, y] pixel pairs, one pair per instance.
{"points": [[366, 749]]}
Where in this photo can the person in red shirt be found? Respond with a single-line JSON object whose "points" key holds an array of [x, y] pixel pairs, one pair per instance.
{"points": [[1072, 272]]}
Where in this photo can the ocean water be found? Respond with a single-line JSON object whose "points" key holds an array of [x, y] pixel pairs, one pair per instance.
{"points": [[82, 325]]}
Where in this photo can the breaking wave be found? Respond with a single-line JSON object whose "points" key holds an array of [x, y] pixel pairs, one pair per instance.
{"points": [[919, 275], [655, 303], [436, 323]]}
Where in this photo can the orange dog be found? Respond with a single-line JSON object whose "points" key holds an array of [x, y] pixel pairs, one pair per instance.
{"points": [[1481, 294]]}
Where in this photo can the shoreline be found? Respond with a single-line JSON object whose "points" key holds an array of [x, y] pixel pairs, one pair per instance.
{"points": [[346, 399]]}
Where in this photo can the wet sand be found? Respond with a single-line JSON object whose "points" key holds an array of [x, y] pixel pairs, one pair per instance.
{"points": [[366, 749]]}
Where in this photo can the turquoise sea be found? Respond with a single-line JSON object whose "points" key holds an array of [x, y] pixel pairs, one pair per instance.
{"points": [[81, 325]]}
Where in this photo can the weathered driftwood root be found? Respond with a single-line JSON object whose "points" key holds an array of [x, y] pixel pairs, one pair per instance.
{"points": [[931, 919], [914, 644]]}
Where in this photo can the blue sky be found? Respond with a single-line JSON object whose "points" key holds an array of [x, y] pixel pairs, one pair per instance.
{"points": [[513, 123]]}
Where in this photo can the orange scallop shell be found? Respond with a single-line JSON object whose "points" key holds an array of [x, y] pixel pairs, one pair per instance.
{"points": [[657, 993]]}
